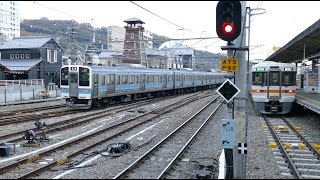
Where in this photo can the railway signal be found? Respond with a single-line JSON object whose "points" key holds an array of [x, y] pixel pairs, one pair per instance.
{"points": [[228, 20]]}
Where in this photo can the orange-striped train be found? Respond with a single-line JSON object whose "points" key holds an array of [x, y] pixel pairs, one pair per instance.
{"points": [[273, 87]]}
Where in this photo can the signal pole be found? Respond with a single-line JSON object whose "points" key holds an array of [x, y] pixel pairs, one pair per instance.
{"points": [[231, 23], [241, 100]]}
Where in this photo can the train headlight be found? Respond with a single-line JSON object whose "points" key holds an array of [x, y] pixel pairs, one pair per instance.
{"points": [[258, 90], [290, 91]]}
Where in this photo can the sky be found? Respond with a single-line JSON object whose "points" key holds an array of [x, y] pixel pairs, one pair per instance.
{"points": [[278, 22]]}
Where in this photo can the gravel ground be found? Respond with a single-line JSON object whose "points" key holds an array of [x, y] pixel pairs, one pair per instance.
{"points": [[62, 135], [261, 163], [109, 167]]}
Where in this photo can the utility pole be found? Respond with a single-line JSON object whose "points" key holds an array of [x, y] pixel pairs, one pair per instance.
{"points": [[72, 35]]}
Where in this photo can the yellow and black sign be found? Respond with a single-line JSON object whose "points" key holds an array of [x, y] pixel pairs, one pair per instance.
{"points": [[229, 64]]}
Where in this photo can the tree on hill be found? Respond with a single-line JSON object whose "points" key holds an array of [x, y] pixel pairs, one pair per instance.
{"points": [[61, 31]]}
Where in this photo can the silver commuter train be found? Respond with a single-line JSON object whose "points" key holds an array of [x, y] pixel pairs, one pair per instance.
{"points": [[86, 86], [273, 87]]}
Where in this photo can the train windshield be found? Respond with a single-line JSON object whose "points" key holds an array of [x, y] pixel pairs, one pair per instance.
{"points": [[64, 76], [274, 78], [259, 78], [84, 76], [288, 78]]}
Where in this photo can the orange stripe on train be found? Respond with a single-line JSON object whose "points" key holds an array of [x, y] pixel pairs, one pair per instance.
{"points": [[273, 91]]}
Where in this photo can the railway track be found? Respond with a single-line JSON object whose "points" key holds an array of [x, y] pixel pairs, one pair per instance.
{"points": [[296, 156], [22, 111], [169, 148], [33, 117], [81, 143], [77, 121]]}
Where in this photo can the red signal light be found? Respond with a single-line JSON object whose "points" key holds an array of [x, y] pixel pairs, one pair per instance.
{"points": [[227, 28]]}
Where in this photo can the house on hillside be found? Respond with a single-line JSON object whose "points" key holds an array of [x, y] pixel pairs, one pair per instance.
{"points": [[31, 57]]}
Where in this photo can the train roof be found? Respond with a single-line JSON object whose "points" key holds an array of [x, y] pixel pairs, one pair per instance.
{"points": [[270, 64], [136, 70]]}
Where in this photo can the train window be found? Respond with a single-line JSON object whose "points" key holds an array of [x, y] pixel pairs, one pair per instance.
{"points": [[137, 80], [111, 79], [64, 76], [288, 78], [118, 79], [103, 80], [84, 76], [151, 78], [132, 79], [274, 78], [108, 79], [259, 78], [74, 78], [156, 78], [125, 79], [96, 78]]}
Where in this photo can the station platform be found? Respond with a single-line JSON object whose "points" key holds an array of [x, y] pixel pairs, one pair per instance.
{"points": [[308, 100]]}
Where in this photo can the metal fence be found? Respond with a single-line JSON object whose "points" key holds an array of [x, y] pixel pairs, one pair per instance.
{"points": [[30, 82], [12, 94]]}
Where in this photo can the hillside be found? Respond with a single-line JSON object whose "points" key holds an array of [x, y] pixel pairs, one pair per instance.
{"points": [[62, 30]]}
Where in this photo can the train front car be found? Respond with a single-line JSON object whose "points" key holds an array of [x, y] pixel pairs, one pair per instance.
{"points": [[76, 86], [273, 87]]}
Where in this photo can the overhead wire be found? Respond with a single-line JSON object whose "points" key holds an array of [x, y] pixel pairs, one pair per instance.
{"points": [[89, 38], [160, 16]]}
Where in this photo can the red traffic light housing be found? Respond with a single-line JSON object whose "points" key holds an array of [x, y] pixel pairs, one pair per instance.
{"points": [[228, 20]]}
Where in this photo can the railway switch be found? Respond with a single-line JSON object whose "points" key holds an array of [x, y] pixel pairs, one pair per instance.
{"points": [[31, 136]]}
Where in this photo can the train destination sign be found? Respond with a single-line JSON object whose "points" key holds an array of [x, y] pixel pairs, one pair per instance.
{"points": [[260, 69], [228, 90], [229, 64]]}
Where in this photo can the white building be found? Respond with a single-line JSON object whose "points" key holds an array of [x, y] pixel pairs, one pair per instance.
{"points": [[147, 36], [9, 20], [181, 55], [116, 36]]}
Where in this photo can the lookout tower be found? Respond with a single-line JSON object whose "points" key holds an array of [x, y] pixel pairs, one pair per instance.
{"points": [[134, 46]]}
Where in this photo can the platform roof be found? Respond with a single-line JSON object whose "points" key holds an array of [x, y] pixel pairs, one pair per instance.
{"points": [[293, 51]]}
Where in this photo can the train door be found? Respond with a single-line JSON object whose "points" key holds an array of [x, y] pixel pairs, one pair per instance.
{"points": [[274, 86], [142, 82], [164, 81], [95, 85], [111, 83], [73, 84]]}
